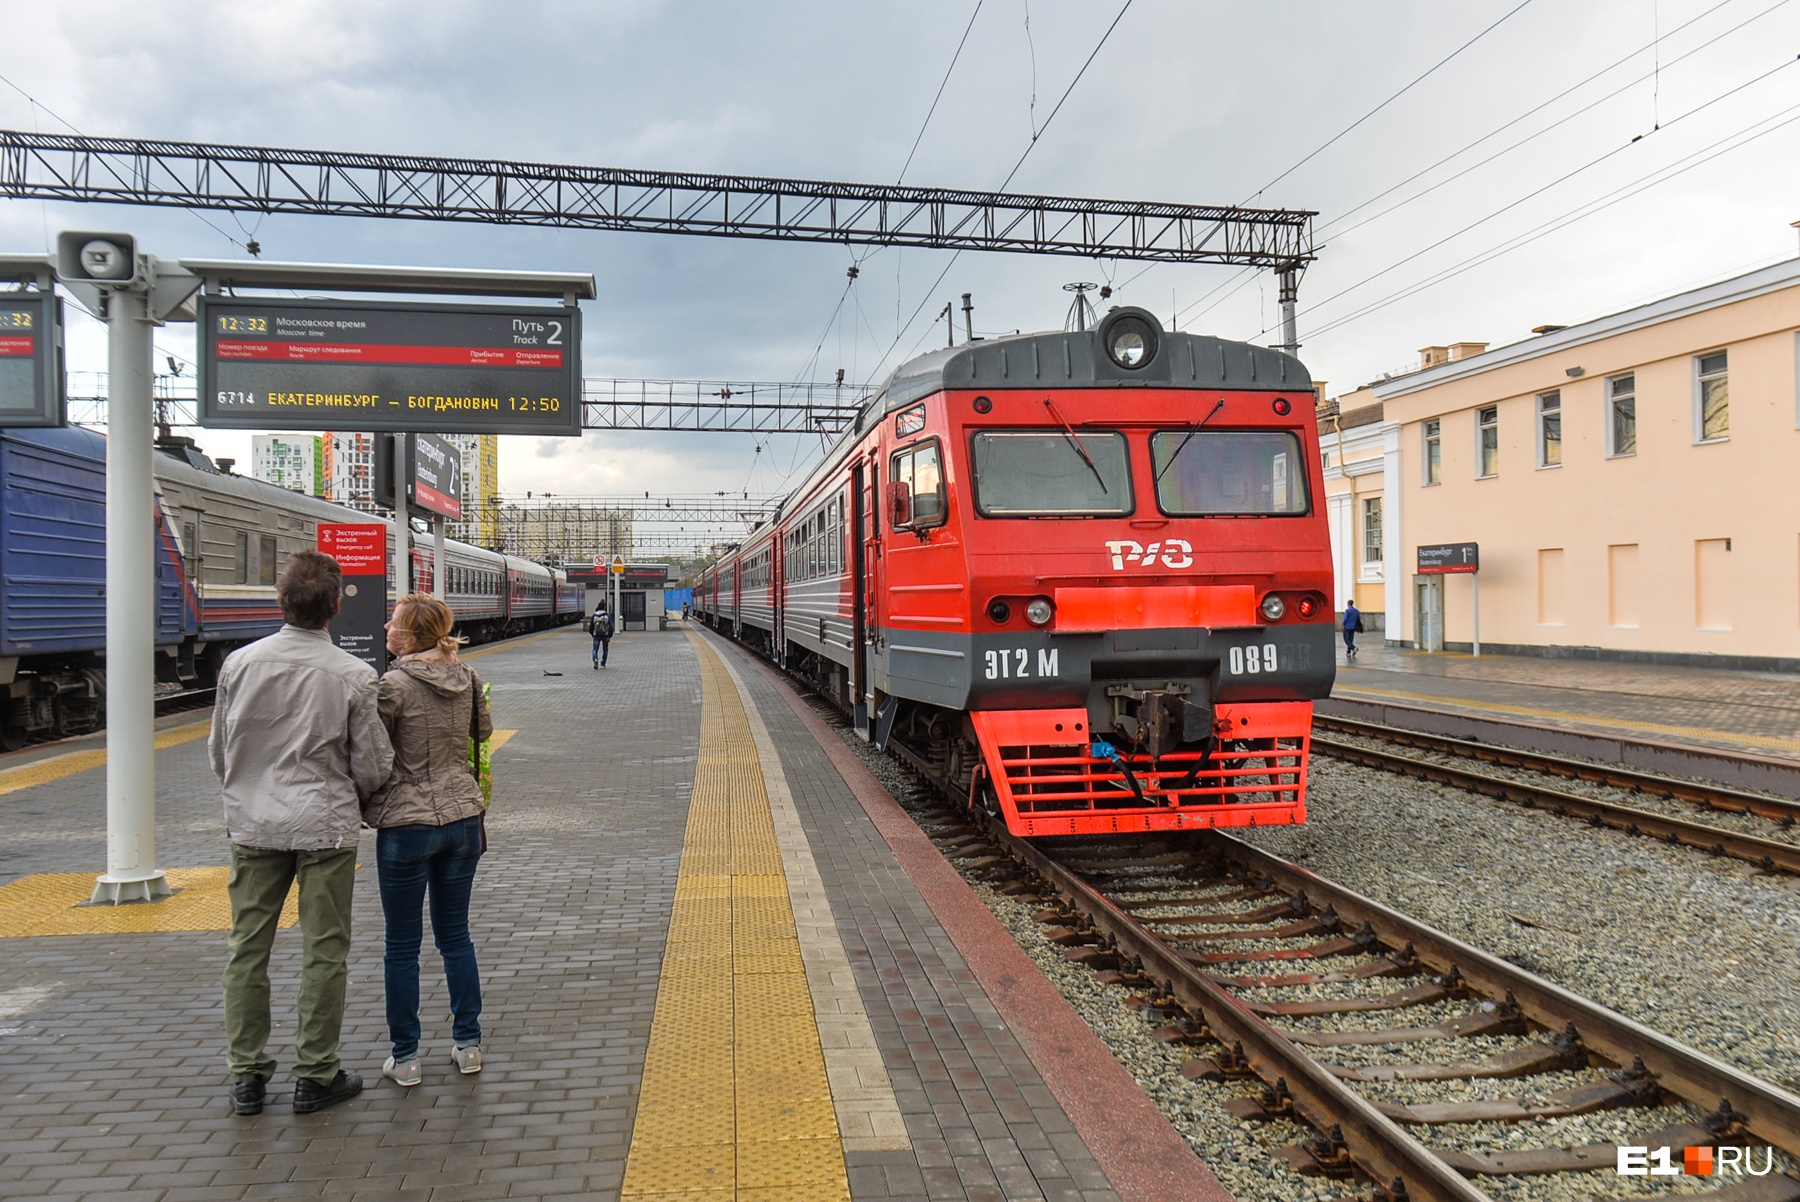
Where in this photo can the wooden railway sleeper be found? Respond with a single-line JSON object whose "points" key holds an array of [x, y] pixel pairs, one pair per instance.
{"points": [[1439, 989], [1561, 1052], [1316, 925], [1403, 963], [1493, 1018], [1296, 906], [1633, 1087], [1274, 1102], [1355, 944], [1227, 1064]]}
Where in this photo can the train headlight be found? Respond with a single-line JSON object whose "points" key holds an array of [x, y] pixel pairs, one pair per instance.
{"points": [[1039, 611], [1131, 337], [1273, 607], [998, 611]]}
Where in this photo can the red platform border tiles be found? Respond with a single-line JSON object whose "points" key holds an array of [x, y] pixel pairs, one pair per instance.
{"points": [[1143, 1156]]}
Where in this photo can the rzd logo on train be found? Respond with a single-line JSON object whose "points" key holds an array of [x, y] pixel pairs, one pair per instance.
{"points": [[1695, 1162], [1172, 553]]}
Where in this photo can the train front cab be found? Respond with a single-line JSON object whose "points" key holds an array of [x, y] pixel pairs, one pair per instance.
{"points": [[1125, 590]]}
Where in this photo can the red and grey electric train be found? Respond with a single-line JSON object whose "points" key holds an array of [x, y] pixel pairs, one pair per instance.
{"points": [[1080, 579]]}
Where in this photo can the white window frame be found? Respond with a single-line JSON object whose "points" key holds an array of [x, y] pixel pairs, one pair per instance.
{"points": [[1700, 382], [1371, 564], [1479, 428], [1611, 418], [1431, 433], [1548, 403]]}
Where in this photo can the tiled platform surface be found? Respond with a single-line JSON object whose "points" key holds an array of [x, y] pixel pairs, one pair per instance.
{"points": [[1748, 712], [111, 1064]]}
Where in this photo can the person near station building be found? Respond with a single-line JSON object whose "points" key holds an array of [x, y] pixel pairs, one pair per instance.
{"points": [[600, 626], [1353, 625], [429, 824], [297, 744]]}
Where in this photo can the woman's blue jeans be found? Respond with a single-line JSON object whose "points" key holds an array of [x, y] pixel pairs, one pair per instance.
{"points": [[414, 862]]}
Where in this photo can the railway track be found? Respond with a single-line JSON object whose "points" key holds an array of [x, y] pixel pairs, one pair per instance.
{"points": [[1204, 927], [1770, 854]]}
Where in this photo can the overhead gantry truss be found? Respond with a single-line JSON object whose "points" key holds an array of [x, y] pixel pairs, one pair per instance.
{"points": [[262, 179], [612, 404]]}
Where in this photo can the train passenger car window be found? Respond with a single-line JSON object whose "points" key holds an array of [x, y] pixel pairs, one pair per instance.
{"points": [[1229, 473], [1030, 473], [265, 560], [240, 568], [921, 468]]}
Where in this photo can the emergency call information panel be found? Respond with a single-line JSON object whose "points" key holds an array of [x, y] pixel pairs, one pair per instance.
{"points": [[404, 367]]}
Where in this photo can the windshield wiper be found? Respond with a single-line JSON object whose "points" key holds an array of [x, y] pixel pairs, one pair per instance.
{"points": [[1075, 441], [1192, 430]]}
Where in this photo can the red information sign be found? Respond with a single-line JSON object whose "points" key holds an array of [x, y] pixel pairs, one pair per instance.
{"points": [[360, 549]]}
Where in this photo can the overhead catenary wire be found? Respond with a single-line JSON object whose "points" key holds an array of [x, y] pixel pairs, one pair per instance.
{"points": [[1744, 137], [931, 292], [1538, 191], [1237, 282]]}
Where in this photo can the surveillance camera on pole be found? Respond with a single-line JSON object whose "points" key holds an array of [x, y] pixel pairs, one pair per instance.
{"points": [[131, 293]]}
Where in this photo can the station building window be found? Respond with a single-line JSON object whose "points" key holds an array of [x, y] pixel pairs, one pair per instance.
{"points": [[1712, 400], [1549, 429], [1621, 416], [1371, 536], [1434, 451], [1487, 441]]}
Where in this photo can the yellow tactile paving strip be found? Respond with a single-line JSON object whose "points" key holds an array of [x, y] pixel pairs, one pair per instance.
{"points": [[735, 1102], [49, 903], [1598, 721], [59, 766]]}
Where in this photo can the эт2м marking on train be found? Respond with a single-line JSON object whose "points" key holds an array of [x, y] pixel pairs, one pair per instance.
{"points": [[1080, 579]]}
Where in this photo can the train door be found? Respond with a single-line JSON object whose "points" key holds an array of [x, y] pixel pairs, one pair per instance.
{"points": [[1428, 613], [868, 590], [859, 613]]}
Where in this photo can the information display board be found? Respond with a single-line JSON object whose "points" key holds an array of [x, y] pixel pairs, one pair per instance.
{"points": [[412, 366], [1449, 559], [31, 374], [433, 474], [437, 475], [361, 551]]}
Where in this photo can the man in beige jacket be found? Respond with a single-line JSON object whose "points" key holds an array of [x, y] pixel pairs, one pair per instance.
{"points": [[297, 744]]}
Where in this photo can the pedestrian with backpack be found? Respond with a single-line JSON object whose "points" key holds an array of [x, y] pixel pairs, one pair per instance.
{"points": [[600, 626], [1352, 627]]}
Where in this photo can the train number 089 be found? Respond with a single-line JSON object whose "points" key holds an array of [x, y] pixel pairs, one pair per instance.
{"points": [[1249, 661]]}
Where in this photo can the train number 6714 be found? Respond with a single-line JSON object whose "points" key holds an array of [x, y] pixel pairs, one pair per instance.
{"points": [[1250, 661]]}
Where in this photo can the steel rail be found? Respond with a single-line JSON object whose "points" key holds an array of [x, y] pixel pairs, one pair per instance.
{"points": [[1706, 796], [1771, 1113], [1379, 1145], [1771, 855]]}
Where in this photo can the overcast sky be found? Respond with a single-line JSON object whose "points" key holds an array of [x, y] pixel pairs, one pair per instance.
{"points": [[1187, 101]]}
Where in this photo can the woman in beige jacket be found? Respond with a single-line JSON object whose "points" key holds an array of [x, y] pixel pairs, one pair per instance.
{"points": [[428, 827]]}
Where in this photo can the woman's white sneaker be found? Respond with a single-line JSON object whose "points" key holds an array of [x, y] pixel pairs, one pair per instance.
{"points": [[405, 1072], [468, 1060]]}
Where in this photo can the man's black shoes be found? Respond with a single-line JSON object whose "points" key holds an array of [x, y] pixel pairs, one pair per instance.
{"points": [[315, 1095], [247, 1094]]}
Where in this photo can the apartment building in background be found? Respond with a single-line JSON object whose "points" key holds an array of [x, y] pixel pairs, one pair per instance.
{"points": [[291, 461]]}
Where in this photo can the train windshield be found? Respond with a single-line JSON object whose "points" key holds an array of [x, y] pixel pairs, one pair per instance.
{"points": [[1229, 473], [1037, 474]]}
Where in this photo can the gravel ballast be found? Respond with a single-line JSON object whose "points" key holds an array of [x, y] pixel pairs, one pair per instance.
{"points": [[1704, 950]]}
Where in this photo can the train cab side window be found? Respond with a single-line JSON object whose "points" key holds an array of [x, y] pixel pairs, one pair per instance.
{"points": [[921, 468], [265, 560], [240, 568]]}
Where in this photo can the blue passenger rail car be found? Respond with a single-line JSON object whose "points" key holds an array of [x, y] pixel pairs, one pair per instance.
{"points": [[220, 542]]}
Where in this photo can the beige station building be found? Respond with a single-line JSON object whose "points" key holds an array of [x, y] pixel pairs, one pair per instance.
{"points": [[1633, 483]]}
